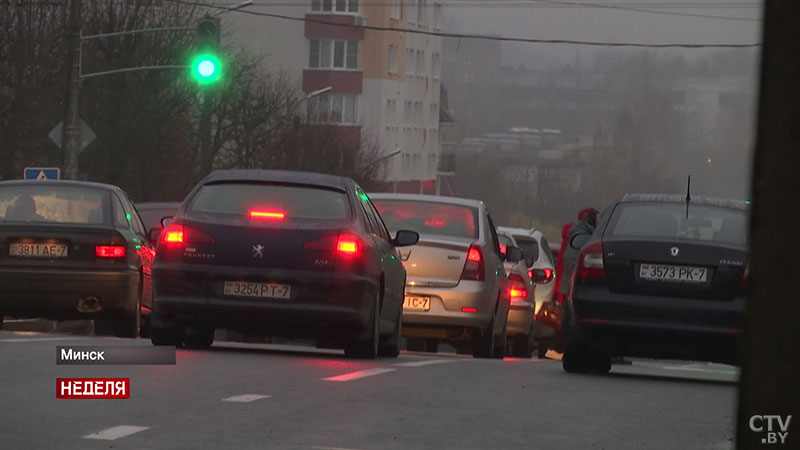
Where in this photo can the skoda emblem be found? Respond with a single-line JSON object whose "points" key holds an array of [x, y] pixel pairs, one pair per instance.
{"points": [[258, 251], [674, 251]]}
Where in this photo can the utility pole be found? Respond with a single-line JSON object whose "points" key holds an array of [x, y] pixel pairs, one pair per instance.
{"points": [[71, 139]]}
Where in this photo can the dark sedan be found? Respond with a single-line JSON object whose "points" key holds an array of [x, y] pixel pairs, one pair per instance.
{"points": [[153, 212], [280, 253], [73, 250], [661, 277]]}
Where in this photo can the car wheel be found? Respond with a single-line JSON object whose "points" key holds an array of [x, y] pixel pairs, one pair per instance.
{"points": [[391, 346], [165, 336], [522, 345], [483, 341], [500, 345], [367, 348], [199, 337], [577, 354]]}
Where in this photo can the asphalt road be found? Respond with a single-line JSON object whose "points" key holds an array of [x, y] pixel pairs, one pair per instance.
{"points": [[259, 396]]}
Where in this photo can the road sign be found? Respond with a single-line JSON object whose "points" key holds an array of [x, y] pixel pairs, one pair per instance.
{"points": [[42, 173], [86, 134]]}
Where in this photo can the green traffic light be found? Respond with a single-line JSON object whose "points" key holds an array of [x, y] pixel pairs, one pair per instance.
{"points": [[206, 68]]}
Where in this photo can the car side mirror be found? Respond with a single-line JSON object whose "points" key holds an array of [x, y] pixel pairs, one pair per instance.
{"points": [[513, 254], [154, 233], [405, 238], [165, 221], [580, 240]]}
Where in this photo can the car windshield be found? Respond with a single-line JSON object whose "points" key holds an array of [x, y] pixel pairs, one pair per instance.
{"points": [[670, 221], [53, 204], [429, 217], [529, 247], [271, 200]]}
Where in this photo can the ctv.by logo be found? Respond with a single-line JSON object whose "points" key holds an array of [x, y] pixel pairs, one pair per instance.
{"points": [[773, 437]]}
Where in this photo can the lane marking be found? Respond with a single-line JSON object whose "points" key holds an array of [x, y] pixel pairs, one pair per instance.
{"points": [[115, 432], [333, 448], [359, 374], [425, 363], [699, 369], [246, 398], [41, 339]]}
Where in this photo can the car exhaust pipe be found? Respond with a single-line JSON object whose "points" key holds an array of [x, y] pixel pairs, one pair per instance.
{"points": [[89, 304]]}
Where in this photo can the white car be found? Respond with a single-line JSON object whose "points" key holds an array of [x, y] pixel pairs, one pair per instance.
{"points": [[541, 269]]}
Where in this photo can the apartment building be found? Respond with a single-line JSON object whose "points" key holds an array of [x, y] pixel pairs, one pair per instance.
{"points": [[385, 84]]}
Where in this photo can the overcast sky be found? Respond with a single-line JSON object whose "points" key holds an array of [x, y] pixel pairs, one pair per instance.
{"points": [[580, 21]]}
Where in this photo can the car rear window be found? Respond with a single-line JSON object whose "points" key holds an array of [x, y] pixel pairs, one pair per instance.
{"points": [[505, 242], [529, 247], [53, 204], [429, 217], [670, 221], [292, 202]]}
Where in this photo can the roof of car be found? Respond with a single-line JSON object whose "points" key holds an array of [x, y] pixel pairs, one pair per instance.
{"points": [[426, 198], [71, 183], [664, 198], [531, 232], [158, 205], [279, 176]]}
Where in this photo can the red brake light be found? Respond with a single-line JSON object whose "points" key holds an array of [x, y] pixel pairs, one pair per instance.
{"points": [[347, 243], [517, 293], [541, 276], [473, 267], [109, 251], [177, 234], [590, 263], [469, 309], [267, 215], [434, 223], [517, 289]]}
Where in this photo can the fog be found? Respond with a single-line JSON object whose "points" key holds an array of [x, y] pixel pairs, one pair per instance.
{"points": [[630, 119]]}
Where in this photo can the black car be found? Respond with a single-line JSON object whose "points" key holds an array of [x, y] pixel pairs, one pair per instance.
{"points": [[73, 250], [661, 277], [280, 253]]}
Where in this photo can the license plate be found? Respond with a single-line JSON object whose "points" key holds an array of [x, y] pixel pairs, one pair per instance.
{"points": [[260, 290], [411, 303], [680, 274], [38, 250]]}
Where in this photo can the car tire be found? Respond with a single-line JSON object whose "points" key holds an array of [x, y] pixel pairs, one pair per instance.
{"points": [[500, 344], [390, 346], [578, 356], [367, 348], [198, 337], [483, 341], [165, 336], [522, 345]]}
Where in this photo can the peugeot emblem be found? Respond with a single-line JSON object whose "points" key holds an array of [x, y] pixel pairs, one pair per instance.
{"points": [[258, 251], [674, 251]]}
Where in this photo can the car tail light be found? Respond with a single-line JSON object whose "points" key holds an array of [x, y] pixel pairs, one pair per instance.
{"points": [[266, 215], [177, 235], [473, 268], [347, 244], [517, 289], [541, 276], [110, 251], [590, 262], [469, 309]]}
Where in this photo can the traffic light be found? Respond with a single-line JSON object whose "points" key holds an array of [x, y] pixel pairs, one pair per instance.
{"points": [[206, 64]]}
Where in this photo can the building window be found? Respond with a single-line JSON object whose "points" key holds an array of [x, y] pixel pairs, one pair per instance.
{"points": [[421, 12], [420, 62], [335, 5], [395, 10], [410, 62], [437, 16], [333, 108], [392, 59], [333, 54], [436, 65]]}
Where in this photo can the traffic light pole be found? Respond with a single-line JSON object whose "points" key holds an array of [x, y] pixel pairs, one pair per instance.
{"points": [[71, 138]]}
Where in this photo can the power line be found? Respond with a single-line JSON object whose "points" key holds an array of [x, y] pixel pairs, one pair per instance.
{"points": [[639, 10], [477, 36]]}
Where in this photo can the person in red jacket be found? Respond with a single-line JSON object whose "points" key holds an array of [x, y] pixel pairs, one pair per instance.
{"points": [[560, 261]]}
